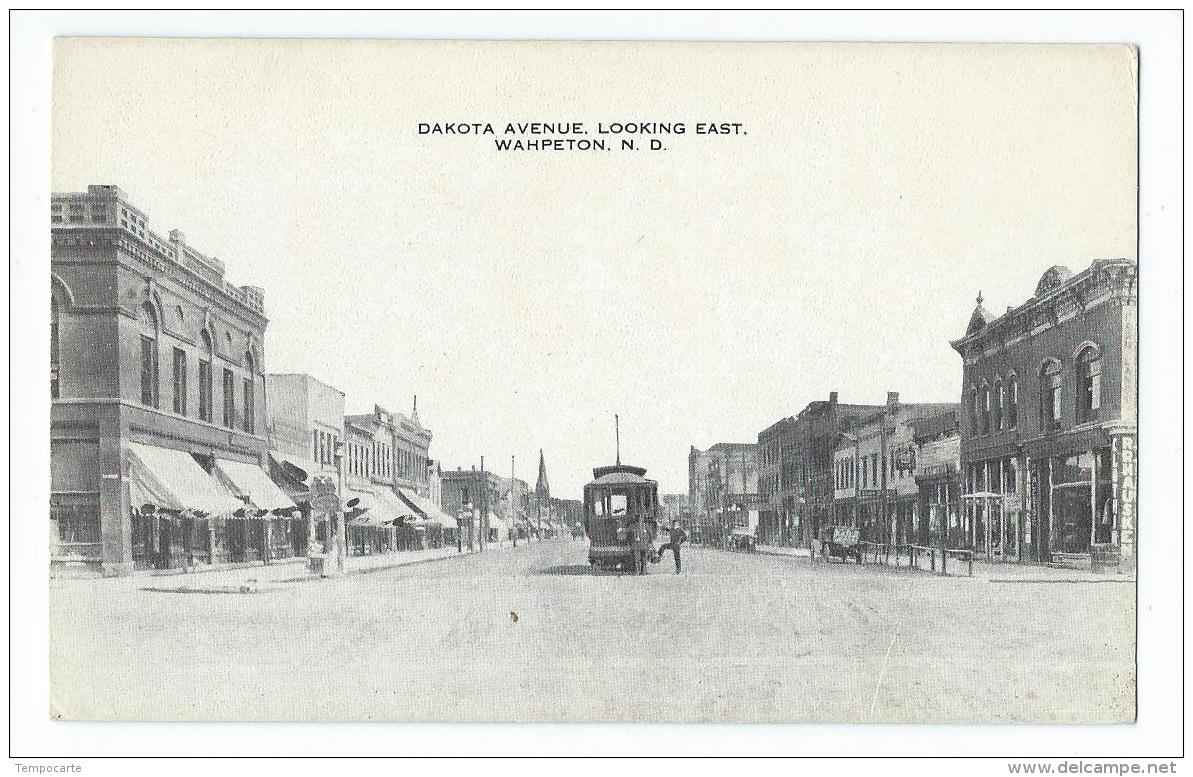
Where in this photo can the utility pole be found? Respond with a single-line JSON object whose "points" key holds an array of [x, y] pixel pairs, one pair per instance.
{"points": [[513, 515], [885, 519], [484, 522], [341, 540]]}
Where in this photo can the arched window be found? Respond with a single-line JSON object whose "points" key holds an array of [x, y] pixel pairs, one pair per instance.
{"points": [[250, 383], [148, 328], [998, 405], [1089, 383], [1050, 396], [206, 351], [1013, 403], [974, 411], [54, 388]]}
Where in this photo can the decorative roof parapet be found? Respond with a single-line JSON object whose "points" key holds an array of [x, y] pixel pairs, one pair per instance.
{"points": [[1059, 294]]}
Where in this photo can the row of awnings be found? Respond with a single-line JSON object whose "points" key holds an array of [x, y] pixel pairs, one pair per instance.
{"points": [[174, 481]]}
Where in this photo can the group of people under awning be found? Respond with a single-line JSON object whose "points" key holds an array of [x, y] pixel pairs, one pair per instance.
{"points": [[384, 522], [190, 510], [186, 513]]}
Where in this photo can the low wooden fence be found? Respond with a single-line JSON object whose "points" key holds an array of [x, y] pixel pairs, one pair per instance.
{"points": [[892, 554]]}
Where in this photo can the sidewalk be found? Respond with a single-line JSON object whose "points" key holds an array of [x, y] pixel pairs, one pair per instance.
{"points": [[780, 550], [990, 571], [256, 577], [1007, 572]]}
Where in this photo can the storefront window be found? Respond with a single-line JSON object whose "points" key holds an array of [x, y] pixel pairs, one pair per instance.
{"points": [[1081, 502]]}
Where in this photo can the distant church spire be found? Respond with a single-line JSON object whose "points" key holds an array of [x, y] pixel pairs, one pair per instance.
{"points": [[542, 488]]}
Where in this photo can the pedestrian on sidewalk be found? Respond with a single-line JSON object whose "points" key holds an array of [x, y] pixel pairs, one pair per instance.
{"points": [[677, 538]]}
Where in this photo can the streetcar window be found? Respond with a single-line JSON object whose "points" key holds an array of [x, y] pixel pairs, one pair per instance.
{"points": [[617, 504], [598, 504]]}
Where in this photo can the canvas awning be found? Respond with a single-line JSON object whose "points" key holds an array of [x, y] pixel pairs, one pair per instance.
{"points": [[424, 506], [289, 477], [165, 477], [366, 516], [386, 509], [252, 481]]}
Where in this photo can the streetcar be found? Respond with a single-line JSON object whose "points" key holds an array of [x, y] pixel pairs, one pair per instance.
{"points": [[620, 500]]}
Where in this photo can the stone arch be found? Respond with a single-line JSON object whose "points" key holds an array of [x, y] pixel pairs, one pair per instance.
{"points": [[1085, 346], [60, 290]]}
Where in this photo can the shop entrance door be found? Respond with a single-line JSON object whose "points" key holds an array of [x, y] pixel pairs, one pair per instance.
{"points": [[1072, 518]]}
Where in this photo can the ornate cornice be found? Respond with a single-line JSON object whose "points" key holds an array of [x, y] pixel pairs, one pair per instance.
{"points": [[149, 257], [1104, 280]]}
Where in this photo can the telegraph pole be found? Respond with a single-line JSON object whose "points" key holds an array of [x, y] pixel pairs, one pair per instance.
{"points": [[884, 518], [341, 540], [513, 516], [484, 522]]}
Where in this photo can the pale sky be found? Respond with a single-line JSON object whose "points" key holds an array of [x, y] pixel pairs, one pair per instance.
{"points": [[701, 292]]}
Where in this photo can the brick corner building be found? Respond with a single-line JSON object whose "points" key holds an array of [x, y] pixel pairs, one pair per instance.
{"points": [[1049, 432], [158, 394]]}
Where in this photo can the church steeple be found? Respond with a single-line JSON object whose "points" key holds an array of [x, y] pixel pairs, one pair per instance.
{"points": [[542, 489]]}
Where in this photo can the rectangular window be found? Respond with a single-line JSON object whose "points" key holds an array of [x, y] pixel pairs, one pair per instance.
{"points": [[205, 390], [1090, 389], [180, 381], [148, 371], [1013, 406], [249, 405], [1054, 399], [229, 399]]}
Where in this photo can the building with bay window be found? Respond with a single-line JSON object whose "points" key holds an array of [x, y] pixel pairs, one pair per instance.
{"points": [[1050, 429], [157, 448]]}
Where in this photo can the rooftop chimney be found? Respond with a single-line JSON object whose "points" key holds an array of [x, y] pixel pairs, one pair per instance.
{"points": [[892, 398], [832, 397], [177, 236]]}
